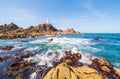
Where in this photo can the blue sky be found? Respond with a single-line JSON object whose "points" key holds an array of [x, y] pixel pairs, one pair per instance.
{"points": [[82, 15]]}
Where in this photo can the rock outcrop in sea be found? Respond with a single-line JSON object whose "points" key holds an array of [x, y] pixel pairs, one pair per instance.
{"points": [[11, 31]]}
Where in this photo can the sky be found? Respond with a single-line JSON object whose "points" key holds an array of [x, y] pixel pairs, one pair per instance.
{"points": [[86, 16]]}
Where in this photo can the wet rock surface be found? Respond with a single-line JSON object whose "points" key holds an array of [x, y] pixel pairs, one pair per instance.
{"points": [[6, 48], [64, 71], [18, 67], [24, 41], [26, 55], [104, 66], [68, 67], [71, 59], [96, 38], [99, 69], [2, 58]]}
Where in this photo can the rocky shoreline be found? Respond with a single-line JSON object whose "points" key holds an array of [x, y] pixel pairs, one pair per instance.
{"points": [[12, 31], [17, 66], [68, 67]]}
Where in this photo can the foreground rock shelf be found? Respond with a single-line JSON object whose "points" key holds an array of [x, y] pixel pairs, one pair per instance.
{"points": [[64, 71], [68, 67], [71, 68]]}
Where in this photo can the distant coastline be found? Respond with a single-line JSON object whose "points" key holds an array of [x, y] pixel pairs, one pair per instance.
{"points": [[12, 31]]}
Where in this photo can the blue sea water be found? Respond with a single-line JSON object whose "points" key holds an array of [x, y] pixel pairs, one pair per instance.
{"points": [[104, 45]]}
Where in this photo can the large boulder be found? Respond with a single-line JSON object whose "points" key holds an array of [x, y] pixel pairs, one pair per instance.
{"points": [[71, 59], [118, 71], [64, 71], [104, 66], [69, 68], [70, 31]]}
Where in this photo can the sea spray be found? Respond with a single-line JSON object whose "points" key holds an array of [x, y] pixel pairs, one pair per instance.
{"points": [[106, 47], [33, 75]]}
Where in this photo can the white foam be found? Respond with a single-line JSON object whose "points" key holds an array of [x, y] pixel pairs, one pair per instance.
{"points": [[74, 50], [46, 58], [92, 49], [73, 44], [49, 35], [33, 75], [32, 48], [68, 43], [50, 56], [117, 64], [85, 58], [65, 40], [40, 41], [1, 51], [17, 48]]}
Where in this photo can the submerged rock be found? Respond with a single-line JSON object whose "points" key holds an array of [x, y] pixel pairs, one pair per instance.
{"points": [[19, 65], [19, 68], [96, 39], [6, 48], [26, 55], [50, 39], [71, 59], [2, 58], [24, 41]]}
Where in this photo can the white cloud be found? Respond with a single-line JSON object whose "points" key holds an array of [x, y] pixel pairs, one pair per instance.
{"points": [[89, 6]]}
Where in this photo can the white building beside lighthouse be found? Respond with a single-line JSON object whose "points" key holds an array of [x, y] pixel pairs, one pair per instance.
{"points": [[48, 22]]}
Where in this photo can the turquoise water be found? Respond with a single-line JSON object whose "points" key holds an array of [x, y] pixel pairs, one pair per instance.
{"points": [[100, 45]]}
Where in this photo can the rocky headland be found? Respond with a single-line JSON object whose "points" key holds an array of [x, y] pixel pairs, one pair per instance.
{"points": [[11, 31]]}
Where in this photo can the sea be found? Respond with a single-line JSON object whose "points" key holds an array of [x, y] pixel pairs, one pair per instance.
{"points": [[103, 45]]}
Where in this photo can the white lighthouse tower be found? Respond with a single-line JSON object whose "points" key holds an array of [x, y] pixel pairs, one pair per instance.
{"points": [[48, 21]]}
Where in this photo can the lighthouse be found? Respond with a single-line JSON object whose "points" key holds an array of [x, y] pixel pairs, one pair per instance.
{"points": [[48, 21]]}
